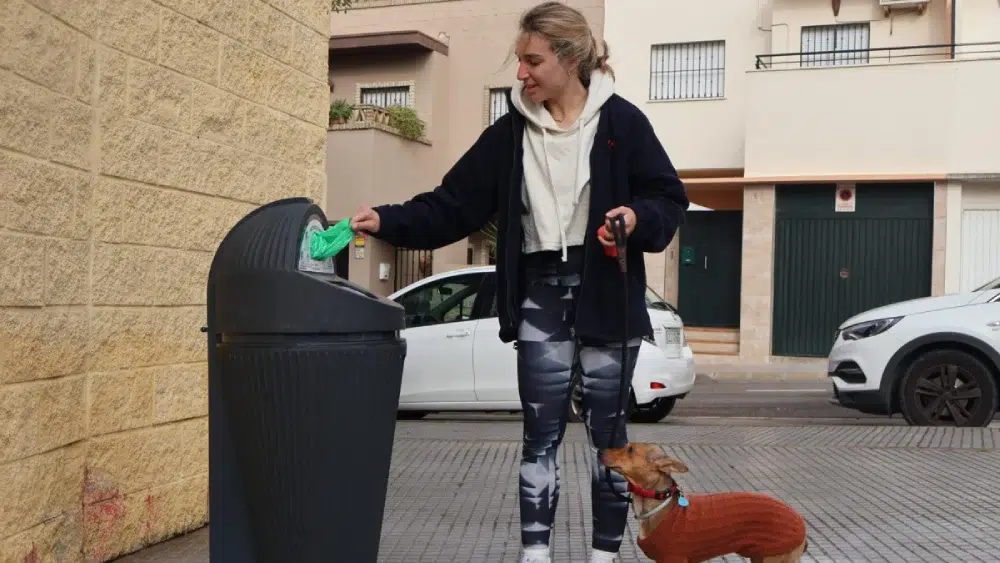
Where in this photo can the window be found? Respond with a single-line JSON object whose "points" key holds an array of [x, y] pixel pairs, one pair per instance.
{"points": [[497, 104], [385, 96], [829, 45], [445, 301], [685, 71], [494, 312]]}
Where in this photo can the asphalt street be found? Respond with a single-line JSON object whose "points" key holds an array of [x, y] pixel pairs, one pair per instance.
{"points": [[768, 399], [745, 402]]}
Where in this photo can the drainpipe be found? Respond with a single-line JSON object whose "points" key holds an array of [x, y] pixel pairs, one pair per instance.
{"points": [[760, 15], [953, 10]]}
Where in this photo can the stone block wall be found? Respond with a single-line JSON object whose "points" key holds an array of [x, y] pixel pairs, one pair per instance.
{"points": [[133, 135], [757, 296]]}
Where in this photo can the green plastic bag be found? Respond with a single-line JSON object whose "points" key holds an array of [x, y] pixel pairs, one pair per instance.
{"points": [[324, 244]]}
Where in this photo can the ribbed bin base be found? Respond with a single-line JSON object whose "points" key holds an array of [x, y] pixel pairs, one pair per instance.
{"points": [[312, 429]]}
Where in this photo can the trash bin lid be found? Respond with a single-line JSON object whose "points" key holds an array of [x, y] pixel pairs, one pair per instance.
{"points": [[261, 282]]}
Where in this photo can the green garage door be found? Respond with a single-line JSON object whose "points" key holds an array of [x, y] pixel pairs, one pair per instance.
{"points": [[710, 271], [831, 265]]}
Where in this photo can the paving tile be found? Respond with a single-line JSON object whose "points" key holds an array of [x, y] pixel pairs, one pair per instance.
{"points": [[887, 494]]}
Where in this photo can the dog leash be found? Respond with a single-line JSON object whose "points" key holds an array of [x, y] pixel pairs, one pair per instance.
{"points": [[620, 234], [651, 513], [618, 230]]}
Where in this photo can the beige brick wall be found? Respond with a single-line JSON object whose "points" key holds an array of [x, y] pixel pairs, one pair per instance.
{"points": [[133, 134]]}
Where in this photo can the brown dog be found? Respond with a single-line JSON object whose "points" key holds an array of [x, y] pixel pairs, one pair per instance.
{"points": [[676, 528]]}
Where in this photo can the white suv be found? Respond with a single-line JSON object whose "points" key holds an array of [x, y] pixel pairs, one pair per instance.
{"points": [[936, 360]]}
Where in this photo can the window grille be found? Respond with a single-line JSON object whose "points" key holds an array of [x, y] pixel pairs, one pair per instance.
{"points": [[498, 104], [695, 70], [386, 96], [836, 38]]}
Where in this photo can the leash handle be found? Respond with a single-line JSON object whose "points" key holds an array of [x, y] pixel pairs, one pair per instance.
{"points": [[620, 235], [609, 251]]}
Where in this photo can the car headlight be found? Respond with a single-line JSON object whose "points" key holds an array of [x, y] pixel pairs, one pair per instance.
{"points": [[870, 328]]}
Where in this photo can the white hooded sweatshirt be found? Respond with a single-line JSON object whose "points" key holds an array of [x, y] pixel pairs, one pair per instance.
{"points": [[556, 187]]}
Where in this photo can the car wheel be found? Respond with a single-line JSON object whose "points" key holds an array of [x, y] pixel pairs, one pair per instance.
{"points": [[653, 412], [576, 402], [948, 388]]}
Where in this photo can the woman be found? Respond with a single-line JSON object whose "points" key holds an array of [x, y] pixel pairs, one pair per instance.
{"points": [[568, 157]]}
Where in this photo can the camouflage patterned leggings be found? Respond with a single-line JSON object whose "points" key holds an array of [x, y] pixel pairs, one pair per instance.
{"points": [[547, 348]]}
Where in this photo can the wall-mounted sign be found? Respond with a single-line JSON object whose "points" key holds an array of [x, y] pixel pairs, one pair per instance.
{"points": [[845, 201]]}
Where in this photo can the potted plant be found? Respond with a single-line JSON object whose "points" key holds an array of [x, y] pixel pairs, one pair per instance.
{"points": [[340, 111], [406, 121]]}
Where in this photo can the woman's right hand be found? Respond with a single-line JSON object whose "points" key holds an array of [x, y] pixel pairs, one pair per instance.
{"points": [[366, 220]]}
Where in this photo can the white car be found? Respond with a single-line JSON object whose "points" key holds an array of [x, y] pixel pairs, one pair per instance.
{"points": [[455, 360], [936, 360]]}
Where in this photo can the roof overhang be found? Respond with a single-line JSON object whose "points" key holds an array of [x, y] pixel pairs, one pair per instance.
{"points": [[705, 182], [383, 42]]}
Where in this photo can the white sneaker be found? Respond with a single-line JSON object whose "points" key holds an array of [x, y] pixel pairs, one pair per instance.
{"points": [[599, 556], [536, 554]]}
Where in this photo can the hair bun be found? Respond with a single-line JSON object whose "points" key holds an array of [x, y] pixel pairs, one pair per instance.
{"points": [[602, 60]]}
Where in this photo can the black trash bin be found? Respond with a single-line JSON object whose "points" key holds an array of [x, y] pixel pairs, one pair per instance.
{"points": [[304, 379]]}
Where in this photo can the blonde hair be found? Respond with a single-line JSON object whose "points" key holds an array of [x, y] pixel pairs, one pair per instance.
{"points": [[567, 31]]}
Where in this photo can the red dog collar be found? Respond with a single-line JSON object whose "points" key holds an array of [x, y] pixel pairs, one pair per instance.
{"points": [[650, 493]]}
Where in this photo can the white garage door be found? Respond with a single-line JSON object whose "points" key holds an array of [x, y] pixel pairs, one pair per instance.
{"points": [[980, 247]]}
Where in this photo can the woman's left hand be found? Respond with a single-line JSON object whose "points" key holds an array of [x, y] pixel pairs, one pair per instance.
{"points": [[609, 238]]}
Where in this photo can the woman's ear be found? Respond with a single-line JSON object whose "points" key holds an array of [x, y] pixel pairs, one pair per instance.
{"points": [[572, 66]]}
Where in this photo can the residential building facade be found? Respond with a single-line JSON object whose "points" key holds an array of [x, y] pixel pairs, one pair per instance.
{"points": [[843, 147], [846, 149]]}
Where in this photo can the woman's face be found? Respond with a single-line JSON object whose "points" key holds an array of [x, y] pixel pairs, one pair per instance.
{"points": [[543, 74]]}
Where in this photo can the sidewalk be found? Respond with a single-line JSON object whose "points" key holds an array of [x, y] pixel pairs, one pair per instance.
{"points": [[869, 493], [777, 371]]}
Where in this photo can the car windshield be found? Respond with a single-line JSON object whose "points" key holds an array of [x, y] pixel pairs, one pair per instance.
{"points": [[654, 301], [994, 284]]}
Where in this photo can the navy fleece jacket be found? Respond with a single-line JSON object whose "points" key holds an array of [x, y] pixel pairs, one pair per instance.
{"points": [[628, 166]]}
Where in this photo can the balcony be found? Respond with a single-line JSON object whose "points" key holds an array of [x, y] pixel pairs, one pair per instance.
{"points": [[370, 161], [925, 110]]}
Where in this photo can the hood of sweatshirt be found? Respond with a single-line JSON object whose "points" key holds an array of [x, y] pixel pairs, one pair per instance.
{"points": [[601, 88], [557, 165]]}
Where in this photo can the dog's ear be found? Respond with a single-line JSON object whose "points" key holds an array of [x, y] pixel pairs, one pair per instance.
{"points": [[670, 465]]}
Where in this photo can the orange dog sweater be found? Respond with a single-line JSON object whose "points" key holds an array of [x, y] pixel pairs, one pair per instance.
{"points": [[713, 525]]}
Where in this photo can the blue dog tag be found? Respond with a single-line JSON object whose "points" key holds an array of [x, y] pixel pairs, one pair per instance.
{"points": [[683, 501]]}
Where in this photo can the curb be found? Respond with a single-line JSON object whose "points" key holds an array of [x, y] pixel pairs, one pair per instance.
{"points": [[761, 373], [765, 376]]}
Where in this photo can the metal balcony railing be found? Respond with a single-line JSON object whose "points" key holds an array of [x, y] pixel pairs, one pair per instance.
{"points": [[884, 55]]}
